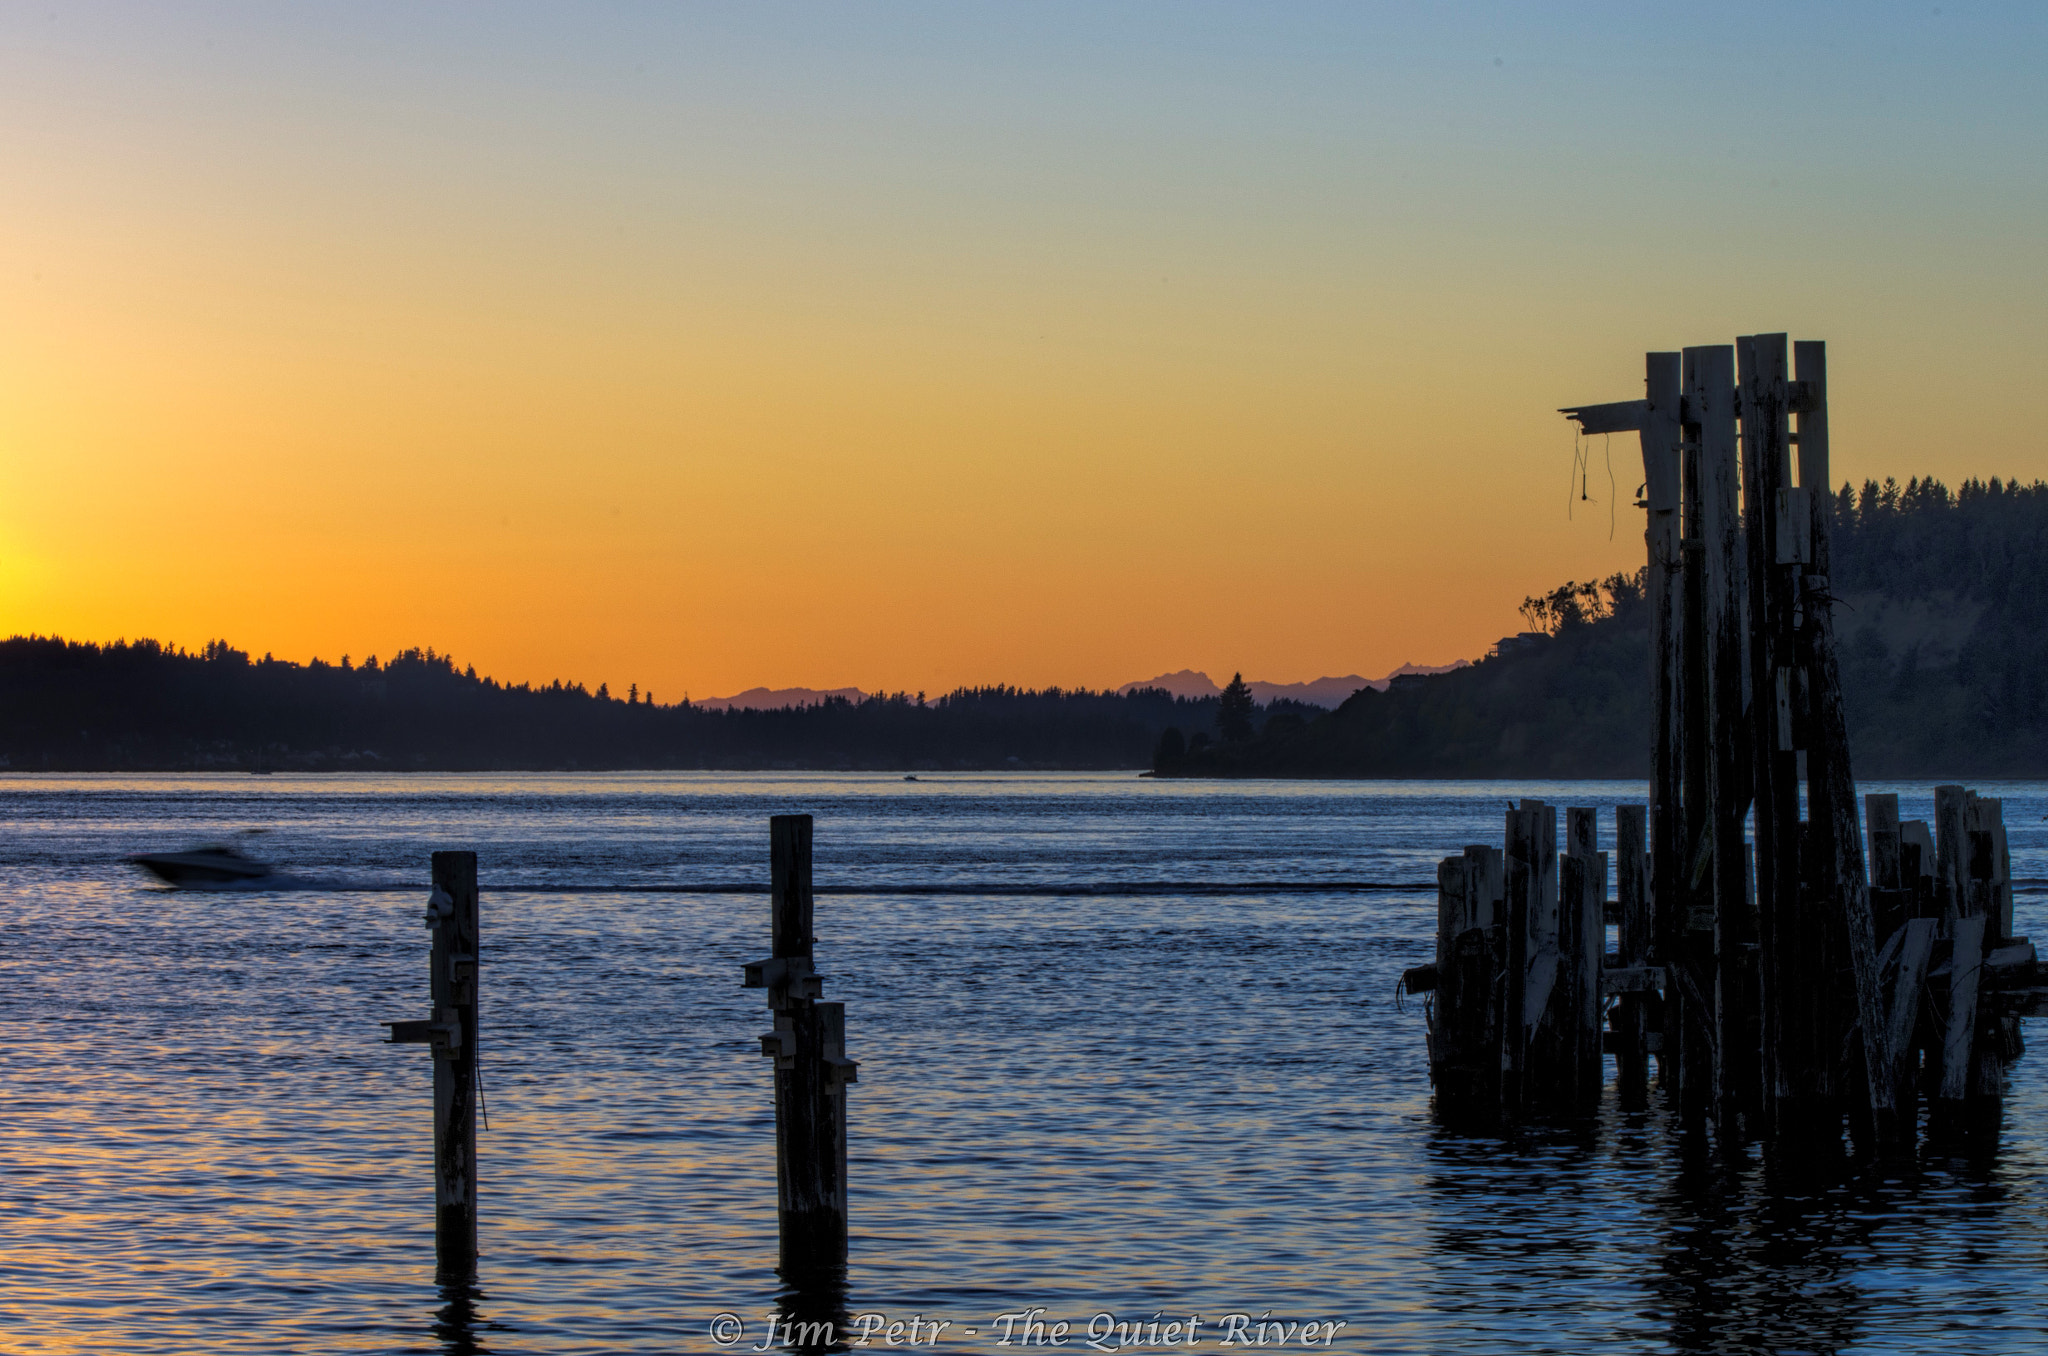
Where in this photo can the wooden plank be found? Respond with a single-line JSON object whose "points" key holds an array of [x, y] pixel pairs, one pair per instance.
{"points": [[1620, 416], [1915, 950], [1966, 964]]}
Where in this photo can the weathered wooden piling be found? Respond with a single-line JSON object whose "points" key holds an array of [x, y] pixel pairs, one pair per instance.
{"points": [[1582, 946], [1630, 1025], [451, 1034], [811, 1068], [1465, 1030]]}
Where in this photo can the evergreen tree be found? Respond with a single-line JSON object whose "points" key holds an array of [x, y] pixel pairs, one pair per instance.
{"points": [[1234, 711]]}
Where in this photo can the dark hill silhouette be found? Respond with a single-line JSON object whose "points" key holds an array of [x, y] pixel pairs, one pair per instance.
{"points": [[145, 706], [1944, 635]]}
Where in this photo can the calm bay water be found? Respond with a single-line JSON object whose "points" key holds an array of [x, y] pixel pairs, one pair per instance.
{"points": [[1164, 1103]]}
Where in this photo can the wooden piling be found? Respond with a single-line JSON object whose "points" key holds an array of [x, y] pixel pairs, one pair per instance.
{"points": [[1718, 1068], [1522, 872], [1465, 1039], [1631, 1011], [1662, 435], [1582, 929], [811, 1069], [1841, 890], [1950, 850], [451, 1033]]}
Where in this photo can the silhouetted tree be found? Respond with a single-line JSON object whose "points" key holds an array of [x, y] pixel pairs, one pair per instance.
{"points": [[1234, 711], [1170, 749]]}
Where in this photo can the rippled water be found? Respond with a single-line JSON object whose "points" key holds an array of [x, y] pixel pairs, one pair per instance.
{"points": [[1134, 1104]]}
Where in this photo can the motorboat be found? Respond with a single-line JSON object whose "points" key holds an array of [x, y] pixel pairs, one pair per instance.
{"points": [[202, 868]]}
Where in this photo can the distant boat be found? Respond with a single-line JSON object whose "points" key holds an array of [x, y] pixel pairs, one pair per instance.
{"points": [[912, 779], [202, 868]]}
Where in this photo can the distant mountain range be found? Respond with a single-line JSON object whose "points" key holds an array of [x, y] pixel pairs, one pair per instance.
{"points": [[1328, 693], [777, 698]]}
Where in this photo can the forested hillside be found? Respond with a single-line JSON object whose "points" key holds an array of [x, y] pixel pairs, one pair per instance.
{"points": [[141, 705], [1944, 652]]}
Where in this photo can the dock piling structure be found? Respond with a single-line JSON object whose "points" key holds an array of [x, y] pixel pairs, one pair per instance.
{"points": [[1789, 985], [811, 1068], [451, 1034]]}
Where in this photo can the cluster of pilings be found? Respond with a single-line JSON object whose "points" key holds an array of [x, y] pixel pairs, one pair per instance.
{"points": [[1787, 986], [1524, 996]]}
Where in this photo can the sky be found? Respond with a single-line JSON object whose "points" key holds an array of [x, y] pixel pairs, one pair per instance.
{"points": [[911, 346]]}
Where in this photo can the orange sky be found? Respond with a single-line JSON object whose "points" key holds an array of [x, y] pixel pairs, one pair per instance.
{"points": [[715, 349]]}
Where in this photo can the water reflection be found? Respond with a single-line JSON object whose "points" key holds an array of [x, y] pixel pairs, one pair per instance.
{"points": [[811, 1308], [1691, 1247], [456, 1322]]}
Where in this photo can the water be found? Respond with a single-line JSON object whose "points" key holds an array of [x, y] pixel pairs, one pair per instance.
{"points": [[1139, 1105]]}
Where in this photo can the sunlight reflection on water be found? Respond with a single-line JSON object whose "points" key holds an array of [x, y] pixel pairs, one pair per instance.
{"points": [[1155, 1104]]}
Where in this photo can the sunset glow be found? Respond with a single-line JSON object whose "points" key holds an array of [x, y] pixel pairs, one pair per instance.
{"points": [[907, 347]]}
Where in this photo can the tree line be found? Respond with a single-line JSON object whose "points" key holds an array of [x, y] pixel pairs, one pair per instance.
{"points": [[142, 705]]}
